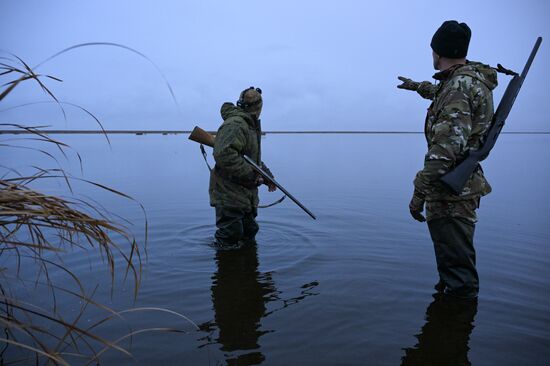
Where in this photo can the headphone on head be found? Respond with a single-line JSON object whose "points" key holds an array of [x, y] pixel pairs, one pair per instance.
{"points": [[244, 105]]}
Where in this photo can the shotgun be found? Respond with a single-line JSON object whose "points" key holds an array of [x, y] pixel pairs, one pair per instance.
{"points": [[205, 138], [457, 178]]}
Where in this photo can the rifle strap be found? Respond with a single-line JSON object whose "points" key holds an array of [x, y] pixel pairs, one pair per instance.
{"points": [[205, 157], [203, 151], [274, 203]]}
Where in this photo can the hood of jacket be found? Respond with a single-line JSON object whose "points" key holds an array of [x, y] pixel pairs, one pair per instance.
{"points": [[229, 110], [484, 73]]}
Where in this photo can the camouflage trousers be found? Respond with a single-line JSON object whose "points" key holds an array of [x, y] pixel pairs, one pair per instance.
{"points": [[235, 225], [465, 209], [453, 239]]}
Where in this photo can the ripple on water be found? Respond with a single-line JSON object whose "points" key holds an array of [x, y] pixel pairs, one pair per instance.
{"points": [[186, 248], [284, 245]]}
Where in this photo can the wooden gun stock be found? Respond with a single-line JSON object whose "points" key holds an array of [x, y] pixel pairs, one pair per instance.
{"points": [[202, 137]]}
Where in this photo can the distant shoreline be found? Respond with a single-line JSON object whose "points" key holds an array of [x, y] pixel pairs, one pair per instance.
{"points": [[177, 132]]}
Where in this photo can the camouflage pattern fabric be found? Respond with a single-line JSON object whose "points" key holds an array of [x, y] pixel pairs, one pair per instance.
{"points": [[424, 88], [239, 135], [427, 90], [253, 99], [457, 121], [408, 84], [465, 209]]}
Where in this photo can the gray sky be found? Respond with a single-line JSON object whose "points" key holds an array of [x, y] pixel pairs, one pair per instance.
{"points": [[322, 65]]}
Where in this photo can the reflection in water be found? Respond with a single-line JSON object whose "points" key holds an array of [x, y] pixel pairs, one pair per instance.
{"points": [[445, 336], [240, 294]]}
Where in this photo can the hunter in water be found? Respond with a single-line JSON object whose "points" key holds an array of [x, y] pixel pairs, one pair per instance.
{"points": [[457, 121], [233, 182]]}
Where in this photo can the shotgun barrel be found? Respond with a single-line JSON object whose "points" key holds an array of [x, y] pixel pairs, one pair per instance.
{"points": [[266, 176], [457, 178], [205, 138]]}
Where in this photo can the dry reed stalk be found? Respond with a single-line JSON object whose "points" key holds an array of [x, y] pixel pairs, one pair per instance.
{"points": [[35, 227]]}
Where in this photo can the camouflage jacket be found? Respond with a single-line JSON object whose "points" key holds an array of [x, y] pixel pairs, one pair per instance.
{"points": [[232, 179], [457, 120]]}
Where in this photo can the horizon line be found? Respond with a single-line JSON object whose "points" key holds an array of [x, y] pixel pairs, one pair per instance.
{"points": [[288, 132]]}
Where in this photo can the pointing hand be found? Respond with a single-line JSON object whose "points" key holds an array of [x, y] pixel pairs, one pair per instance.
{"points": [[408, 84]]}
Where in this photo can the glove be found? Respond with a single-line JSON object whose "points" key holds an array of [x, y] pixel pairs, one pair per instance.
{"points": [[408, 84], [417, 206]]}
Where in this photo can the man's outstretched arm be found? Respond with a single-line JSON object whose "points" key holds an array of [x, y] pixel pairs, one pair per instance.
{"points": [[424, 88]]}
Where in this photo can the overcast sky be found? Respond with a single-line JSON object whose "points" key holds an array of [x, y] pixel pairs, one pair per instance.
{"points": [[323, 65]]}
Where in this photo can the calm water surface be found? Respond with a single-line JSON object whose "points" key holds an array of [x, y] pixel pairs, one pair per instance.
{"points": [[353, 287]]}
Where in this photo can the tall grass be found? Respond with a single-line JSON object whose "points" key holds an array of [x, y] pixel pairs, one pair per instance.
{"points": [[38, 229]]}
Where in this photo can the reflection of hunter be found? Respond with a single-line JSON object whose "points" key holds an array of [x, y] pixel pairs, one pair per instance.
{"points": [[445, 336], [233, 183], [240, 294]]}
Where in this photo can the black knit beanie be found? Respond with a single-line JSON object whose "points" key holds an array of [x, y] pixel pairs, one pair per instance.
{"points": [[452, 39]]}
